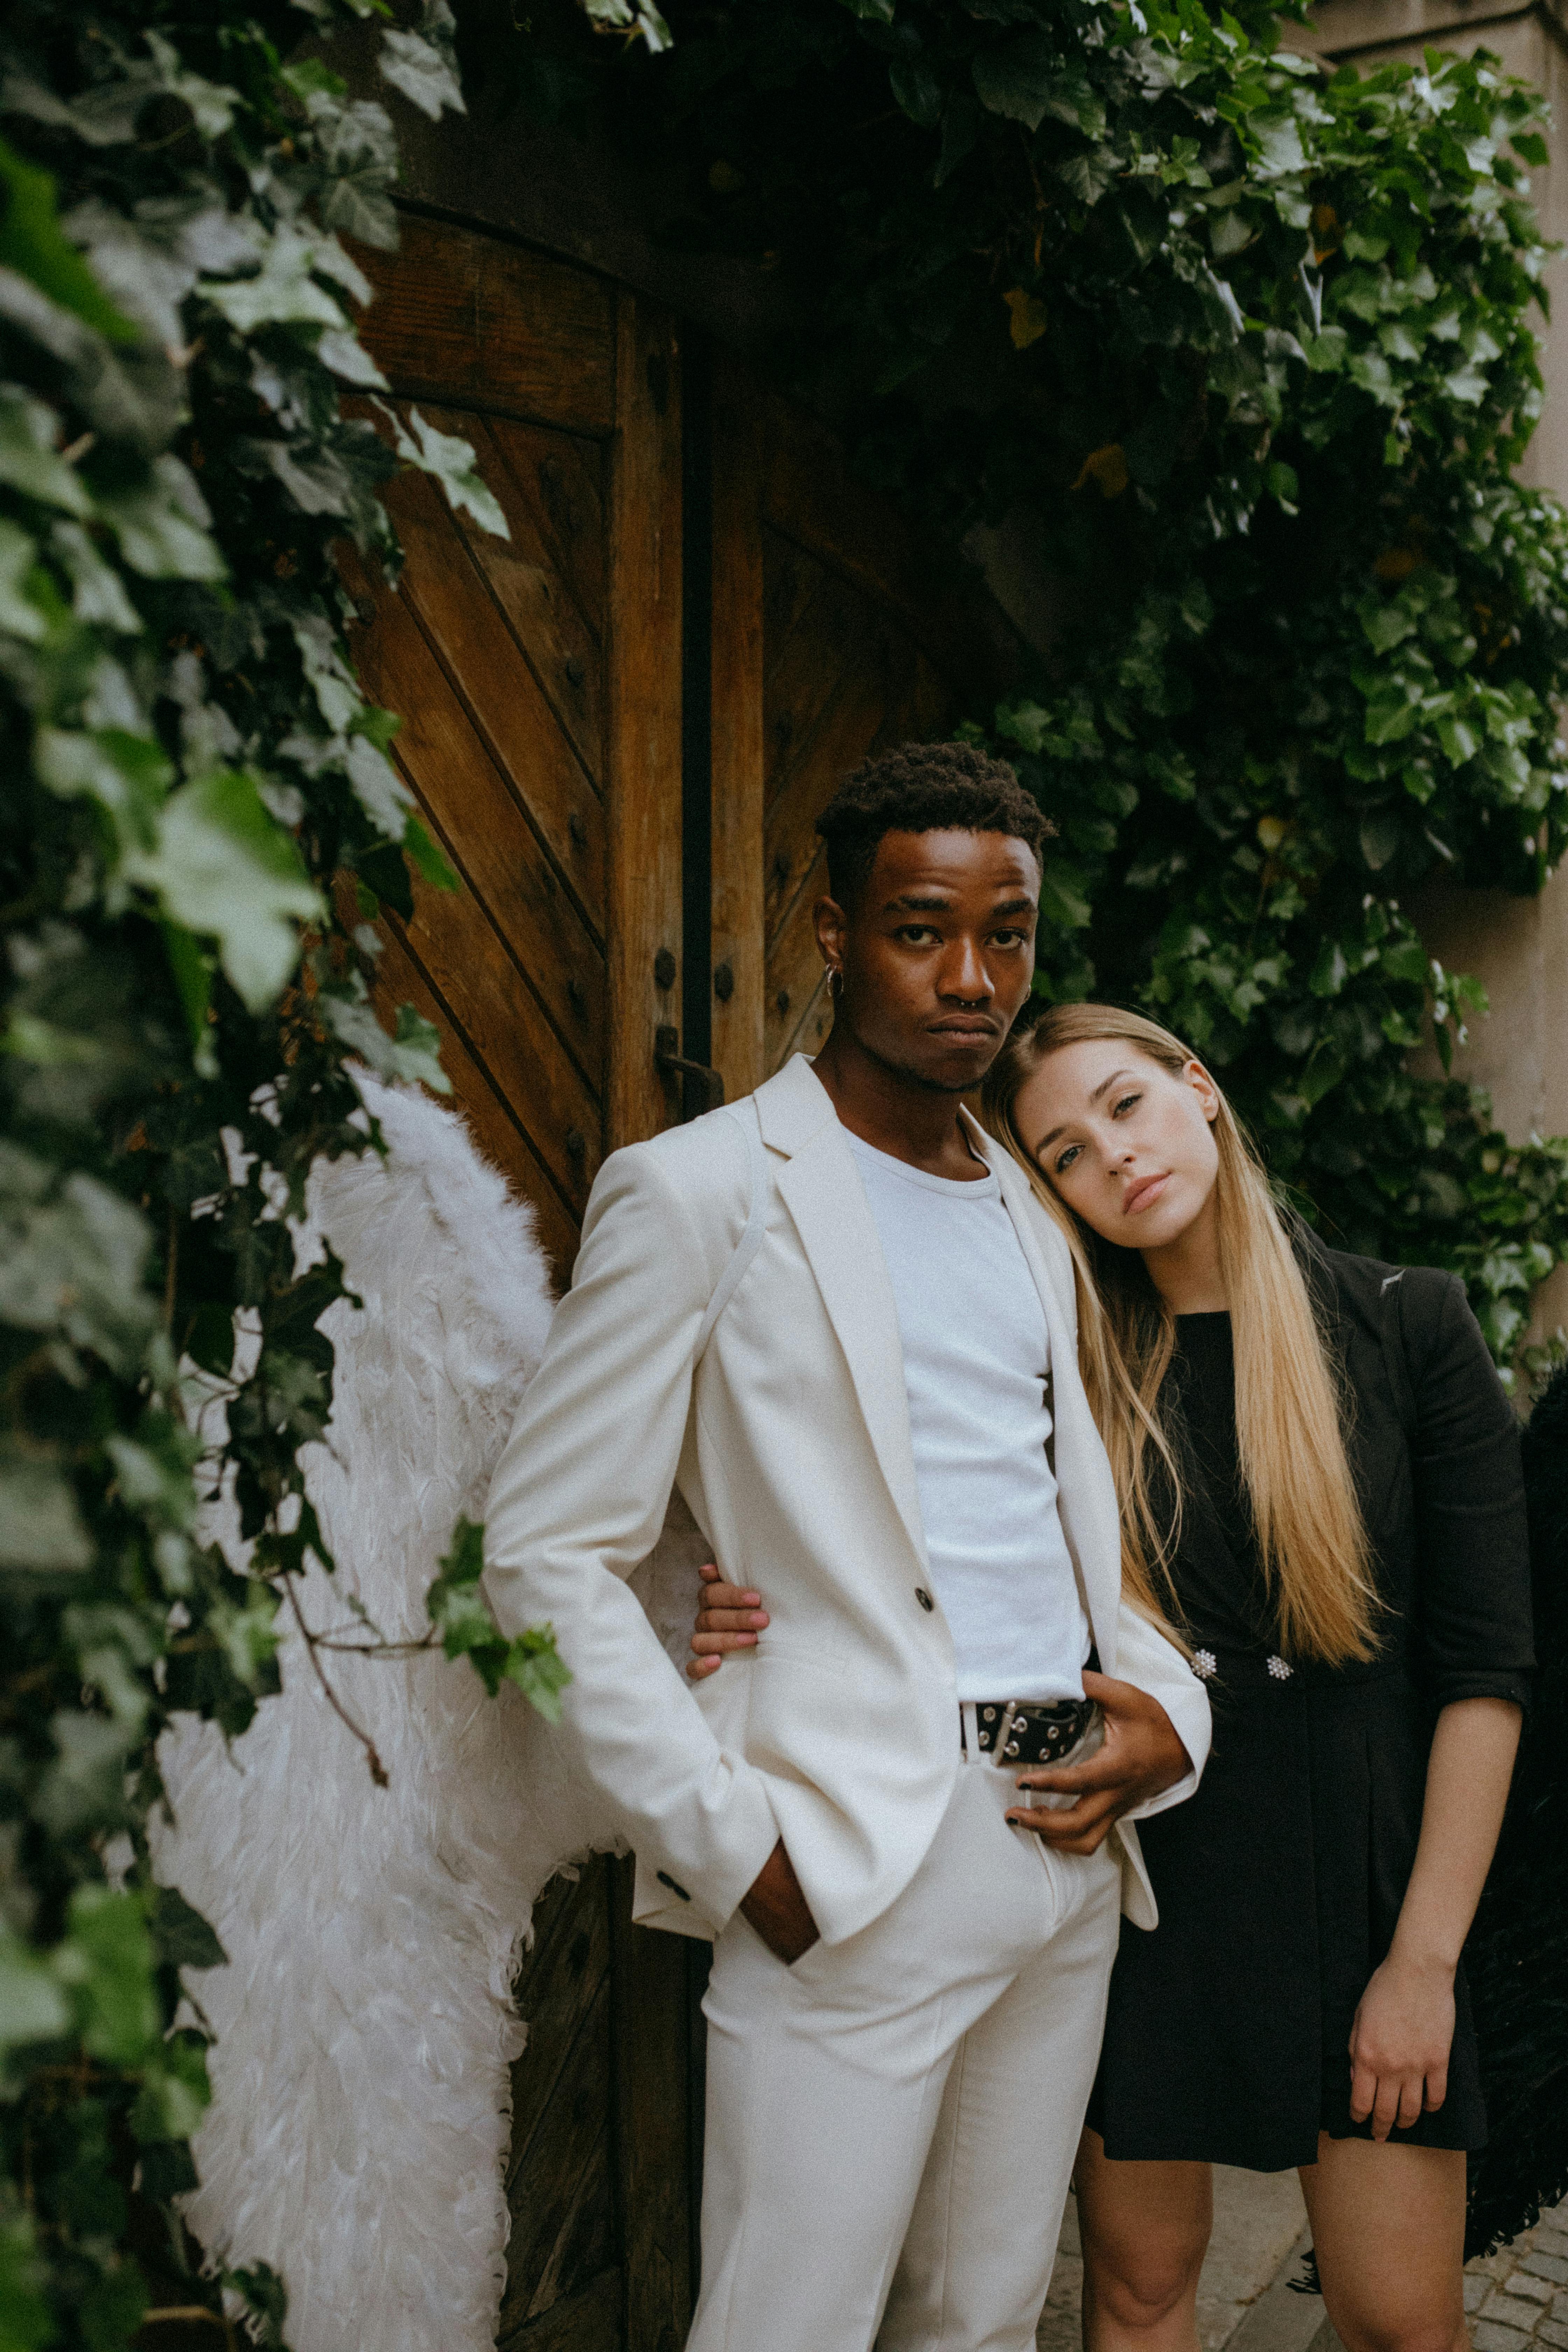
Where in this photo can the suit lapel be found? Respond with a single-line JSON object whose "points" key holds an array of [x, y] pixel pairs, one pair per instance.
{"points": [[821, 1188]]}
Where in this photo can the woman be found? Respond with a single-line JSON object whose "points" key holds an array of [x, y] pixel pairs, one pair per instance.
{"points": [[1321, 1491]]}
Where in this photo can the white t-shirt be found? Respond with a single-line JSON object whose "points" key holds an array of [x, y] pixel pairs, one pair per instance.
{"points": [[976, 1359]]}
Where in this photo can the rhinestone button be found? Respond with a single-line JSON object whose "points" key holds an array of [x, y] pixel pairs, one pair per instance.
{"points": [[1280, 1670], [1204, 1665]]}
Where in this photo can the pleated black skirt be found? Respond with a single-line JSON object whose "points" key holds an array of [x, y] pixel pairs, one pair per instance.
{"points": [[1278, 1886]]}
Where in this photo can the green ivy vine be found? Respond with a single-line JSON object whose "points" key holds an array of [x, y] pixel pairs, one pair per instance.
{"points": [[1241, 349], [190, 769]]}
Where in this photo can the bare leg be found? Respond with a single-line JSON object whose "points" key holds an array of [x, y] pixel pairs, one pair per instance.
{"points": [[1388, 2228], [1145, 2229]]}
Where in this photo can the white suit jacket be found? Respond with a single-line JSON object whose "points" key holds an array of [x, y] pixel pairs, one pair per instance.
{"points": [[790, 1442]]}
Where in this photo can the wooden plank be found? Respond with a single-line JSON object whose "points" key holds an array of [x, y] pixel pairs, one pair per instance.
{"points": [[833, 630], [853, 724], [468, 802], [652, 2035], [400, 981], [554, 1994], [737, 735], [542, 615], [645, 920], [562, 2199], [470, 967], [563, 478], [492, 683], [810, 495], [466, 318], [589, 2321], [526, 580], [797, 999]]}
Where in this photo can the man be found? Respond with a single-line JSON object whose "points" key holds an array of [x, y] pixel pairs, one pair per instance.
{"points": [[834, 1317]]}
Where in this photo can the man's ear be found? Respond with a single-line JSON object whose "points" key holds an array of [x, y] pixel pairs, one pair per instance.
{"points": [[832, 929]]}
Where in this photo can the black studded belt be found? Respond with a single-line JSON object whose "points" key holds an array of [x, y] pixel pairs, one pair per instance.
{"points": [[1031, 1731]]}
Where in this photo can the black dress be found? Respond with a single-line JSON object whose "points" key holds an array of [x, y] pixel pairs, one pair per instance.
{"points": [[1279, 1883]]}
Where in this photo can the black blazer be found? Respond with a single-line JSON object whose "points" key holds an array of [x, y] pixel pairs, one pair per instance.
{"points": [[1435, 1451]]}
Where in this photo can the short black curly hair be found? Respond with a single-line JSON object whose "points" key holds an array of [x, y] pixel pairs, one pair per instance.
{"points": [[923, 788]]}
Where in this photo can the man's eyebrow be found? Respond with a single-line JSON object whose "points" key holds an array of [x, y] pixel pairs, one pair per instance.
{"points": [[1104, 1087], [940, 903]]}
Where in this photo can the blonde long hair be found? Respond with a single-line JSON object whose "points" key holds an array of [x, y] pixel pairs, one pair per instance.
{"points": [[1290, 1404]]}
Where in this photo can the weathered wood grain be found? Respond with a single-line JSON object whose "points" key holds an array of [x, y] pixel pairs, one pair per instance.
{"points": [[810, 495], [852, 723], [645, 899], [653, 2056], [469, 799], [475, 320], [530, 585], [492, 1121], [471, 676], [834, 629], [555, 1990], [588, 2321], [564, 477], [738, 920]]}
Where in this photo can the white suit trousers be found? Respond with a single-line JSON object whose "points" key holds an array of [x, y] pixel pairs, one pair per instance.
{"points": [[893, 2121]]}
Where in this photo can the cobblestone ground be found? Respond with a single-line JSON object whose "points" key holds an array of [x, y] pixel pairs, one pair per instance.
{"points": [[1518, 2296], [1517, 2301]]}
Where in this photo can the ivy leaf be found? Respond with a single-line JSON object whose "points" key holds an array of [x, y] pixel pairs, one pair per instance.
{"points": [[450, 462], [1089, 174], [106, 1965], [32, 2006], [1381, 832], [175, 2092], [426, 859], [458, 1609], [181, 1937], [18, 613], [41, 1530], [1018, 78], [412, 1053], [341, 349], [33, 244], [1030, 318], [421, 65], [226, 870], [378, 788], [162, 525], [125, 774], [28, 458], [916, 90], [97, 593], [1279, 149], [283, 292]]}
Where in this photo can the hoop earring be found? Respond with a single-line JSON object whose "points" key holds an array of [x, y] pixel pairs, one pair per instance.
{"points": [[835, 981]]}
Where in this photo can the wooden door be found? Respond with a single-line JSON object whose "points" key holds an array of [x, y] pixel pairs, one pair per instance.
{"points": [[539, 680], [838, 634], [620, 723]]}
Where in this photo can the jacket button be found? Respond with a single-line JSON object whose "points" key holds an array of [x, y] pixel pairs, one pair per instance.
{"points": [[923, 1597], [674, 1885]]}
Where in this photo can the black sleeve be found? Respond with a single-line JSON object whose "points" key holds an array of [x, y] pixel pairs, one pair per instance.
{"points": [[1472, 1544]]}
